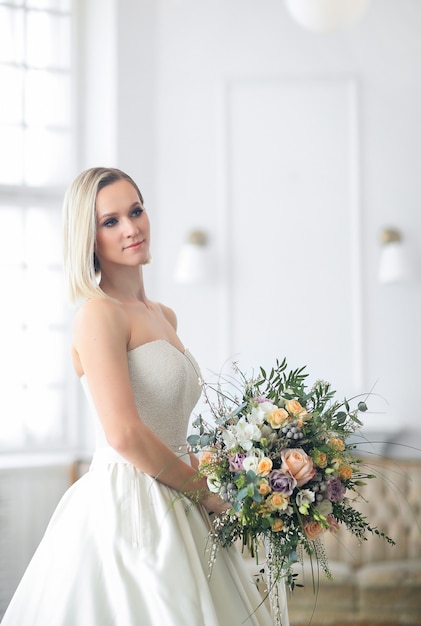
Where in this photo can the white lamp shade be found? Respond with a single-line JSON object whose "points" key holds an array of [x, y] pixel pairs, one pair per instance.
{"points": [[326, 15], [193, 264], [394, 263]]}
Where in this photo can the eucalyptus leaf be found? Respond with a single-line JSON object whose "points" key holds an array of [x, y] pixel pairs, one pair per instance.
{"points": [[243, 493], [193, 440], [251, 476]]}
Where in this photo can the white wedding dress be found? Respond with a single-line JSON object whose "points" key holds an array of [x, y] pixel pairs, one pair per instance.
{"points": [[122, 549]]}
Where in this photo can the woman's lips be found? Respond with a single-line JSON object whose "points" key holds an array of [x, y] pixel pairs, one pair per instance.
{"points": [[135, 245]]}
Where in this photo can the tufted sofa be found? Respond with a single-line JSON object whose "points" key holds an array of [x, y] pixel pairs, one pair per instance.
{"points": [[373, 583]]}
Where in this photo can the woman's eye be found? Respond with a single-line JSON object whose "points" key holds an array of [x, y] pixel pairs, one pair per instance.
{"points": [[110, 222], [137, 212]]}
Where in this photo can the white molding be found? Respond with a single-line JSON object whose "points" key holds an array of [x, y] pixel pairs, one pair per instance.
{"points": [[354, 218], [224, 226], [356, 229]]}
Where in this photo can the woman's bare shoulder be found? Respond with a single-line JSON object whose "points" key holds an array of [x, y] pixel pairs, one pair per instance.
{"points": [[169, 315], [100, 315], [99, 309]]}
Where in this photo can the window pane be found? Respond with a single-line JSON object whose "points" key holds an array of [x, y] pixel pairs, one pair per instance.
{"points": [[48, 40], [12, 316], [44, 357], [47, 99], [43, 423], [62, 6], [48, 157], [11, 250], [11, 81], [43, 241], [11, 155], [36, 150], [49, 285], [35, 107], [11, 35], [12, 433], [16, 3], [33, 338], [45, 290]]}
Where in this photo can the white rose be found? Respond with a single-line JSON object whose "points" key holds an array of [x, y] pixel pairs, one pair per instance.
{"points": [[257, 453], [229, 439], [251, 463], [214, 484]]}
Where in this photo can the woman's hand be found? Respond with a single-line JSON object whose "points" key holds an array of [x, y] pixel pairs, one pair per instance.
{"points": [[194, 461], [214, 504]]}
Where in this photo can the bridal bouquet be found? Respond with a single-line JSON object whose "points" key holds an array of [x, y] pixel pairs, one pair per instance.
{"points": [[277, 452]]}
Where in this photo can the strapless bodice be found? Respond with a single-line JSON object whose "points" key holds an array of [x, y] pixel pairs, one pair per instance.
{"points": [[166, 388]]}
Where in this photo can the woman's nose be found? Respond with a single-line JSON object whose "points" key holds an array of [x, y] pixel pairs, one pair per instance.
{"points": [[130, 228]]}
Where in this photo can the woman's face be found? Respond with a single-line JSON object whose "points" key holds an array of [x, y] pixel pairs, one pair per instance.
{"points": [[123, 232]]}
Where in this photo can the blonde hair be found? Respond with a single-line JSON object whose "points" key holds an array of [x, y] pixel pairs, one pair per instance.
{"points": [[81, 268]]}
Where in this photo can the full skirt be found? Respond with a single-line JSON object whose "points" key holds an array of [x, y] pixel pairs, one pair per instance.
{"points": [[123, 549]]}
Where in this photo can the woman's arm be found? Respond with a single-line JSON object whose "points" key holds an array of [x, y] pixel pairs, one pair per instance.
{"points": [[101, 336]]}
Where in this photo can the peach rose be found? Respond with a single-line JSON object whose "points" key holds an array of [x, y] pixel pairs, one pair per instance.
{"points": [[299, 412], [277, 418], [264, 487], [314, 529], [302, 418], [264, 466], [319, 458], [336, 462], [345, 472], [206, 459], [278, 501], [337, 443], [297, 463], [294, 408], [277, 525]]}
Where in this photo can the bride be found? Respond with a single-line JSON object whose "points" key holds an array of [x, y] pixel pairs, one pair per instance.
{"points": [[127, 544]]}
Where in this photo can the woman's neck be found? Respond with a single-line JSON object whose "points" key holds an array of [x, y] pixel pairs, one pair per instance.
{"points": [[124, 286]]}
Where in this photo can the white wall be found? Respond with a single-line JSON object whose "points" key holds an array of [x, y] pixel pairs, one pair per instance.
{"points": [[176, 62]]}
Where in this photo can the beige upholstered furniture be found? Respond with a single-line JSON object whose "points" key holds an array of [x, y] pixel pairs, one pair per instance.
{"points": [[373, 583]]}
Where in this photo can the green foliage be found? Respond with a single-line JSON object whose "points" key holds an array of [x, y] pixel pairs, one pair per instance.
{"points": [[314, 425]]}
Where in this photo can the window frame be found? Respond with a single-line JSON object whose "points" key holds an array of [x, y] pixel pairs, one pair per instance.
{"points": [[76, 434]]}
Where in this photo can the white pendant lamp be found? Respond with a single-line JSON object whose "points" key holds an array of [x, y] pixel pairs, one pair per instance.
{"points": [[326, 15]]}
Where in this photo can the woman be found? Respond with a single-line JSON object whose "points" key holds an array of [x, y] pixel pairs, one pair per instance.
{"points": [[127, 545]]}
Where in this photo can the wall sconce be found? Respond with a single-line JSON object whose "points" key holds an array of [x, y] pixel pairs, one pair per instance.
{"points": [[326, 15], [394, 263], [193, 264]]}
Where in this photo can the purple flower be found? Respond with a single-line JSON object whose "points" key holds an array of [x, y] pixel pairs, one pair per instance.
{"points": [[335, 490], [236, 461], [260, 399], [282, 482]]}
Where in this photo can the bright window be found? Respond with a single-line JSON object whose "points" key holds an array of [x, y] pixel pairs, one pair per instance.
{"points": [[36, 163]]}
